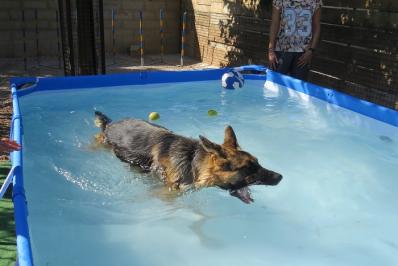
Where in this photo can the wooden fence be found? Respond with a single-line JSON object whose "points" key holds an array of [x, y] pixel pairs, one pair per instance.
{"points": [[357, 54]]}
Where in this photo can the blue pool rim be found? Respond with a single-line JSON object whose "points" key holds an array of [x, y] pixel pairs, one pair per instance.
{"points": [[24, 250]]}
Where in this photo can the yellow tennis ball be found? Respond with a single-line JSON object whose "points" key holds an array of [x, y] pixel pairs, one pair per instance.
{"points": [[154, 116], [212, 112]]}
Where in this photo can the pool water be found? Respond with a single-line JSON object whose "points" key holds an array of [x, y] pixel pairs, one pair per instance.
{"points": [[337, 203]]}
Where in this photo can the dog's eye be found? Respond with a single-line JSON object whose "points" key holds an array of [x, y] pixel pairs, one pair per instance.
{"points": [[249, 168], [253, 166]]}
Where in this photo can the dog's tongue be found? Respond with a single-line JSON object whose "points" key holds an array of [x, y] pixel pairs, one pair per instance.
{"points": [[243, 194]]}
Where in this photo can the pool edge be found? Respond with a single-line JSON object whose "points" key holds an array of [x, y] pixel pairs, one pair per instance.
{"points": [[375, 111], [372, 110], [24, 250]]}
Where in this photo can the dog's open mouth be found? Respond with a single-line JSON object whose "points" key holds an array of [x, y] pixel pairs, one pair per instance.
{"points": [[242, 193]]}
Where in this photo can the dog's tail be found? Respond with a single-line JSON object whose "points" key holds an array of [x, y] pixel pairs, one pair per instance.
{"points": [[101, 120]]}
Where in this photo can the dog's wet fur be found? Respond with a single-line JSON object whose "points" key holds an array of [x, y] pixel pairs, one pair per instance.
{"points": [[183, 163]]}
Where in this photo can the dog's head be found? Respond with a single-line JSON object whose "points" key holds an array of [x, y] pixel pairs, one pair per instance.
{"points": [[233, 169]]}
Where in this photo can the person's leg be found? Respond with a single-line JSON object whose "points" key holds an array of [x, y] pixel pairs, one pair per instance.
{"points": [[299, 72], [285, 60]]}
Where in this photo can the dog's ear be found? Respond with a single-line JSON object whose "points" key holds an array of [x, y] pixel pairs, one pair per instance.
{"points": [[210, 146], [230, 140]]}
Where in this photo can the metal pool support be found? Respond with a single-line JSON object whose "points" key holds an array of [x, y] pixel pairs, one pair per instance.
{"points": [[184, 22], [141, 40], [24, 250], [161, 35]]}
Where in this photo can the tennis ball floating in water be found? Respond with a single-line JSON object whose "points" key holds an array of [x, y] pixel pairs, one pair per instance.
{"points": [[154, 116], [212, 112]]}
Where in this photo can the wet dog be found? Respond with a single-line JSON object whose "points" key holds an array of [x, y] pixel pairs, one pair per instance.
{"points": [[184, 163]]}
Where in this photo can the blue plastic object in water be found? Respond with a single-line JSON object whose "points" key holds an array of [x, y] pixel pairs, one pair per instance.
{"points": [[234, 78]]}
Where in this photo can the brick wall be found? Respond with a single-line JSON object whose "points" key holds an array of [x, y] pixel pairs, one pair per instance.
{"points": [[11, 25], [127, 26], [218, 35]]}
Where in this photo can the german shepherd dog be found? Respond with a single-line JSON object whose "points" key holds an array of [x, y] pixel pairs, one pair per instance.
{"points": [[184, 163]]}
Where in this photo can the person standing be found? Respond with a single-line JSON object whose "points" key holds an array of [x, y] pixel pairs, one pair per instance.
{"points": [[294, 35]]}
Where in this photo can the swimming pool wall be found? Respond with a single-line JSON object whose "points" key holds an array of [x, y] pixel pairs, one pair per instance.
{"points": [[140, 78], [24, 251]]}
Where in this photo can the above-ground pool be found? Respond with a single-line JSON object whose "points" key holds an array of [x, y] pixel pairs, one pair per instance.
{"points": [[337, 203]]}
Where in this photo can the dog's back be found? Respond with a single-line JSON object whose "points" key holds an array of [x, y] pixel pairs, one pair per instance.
{"points": [[132, 140], [134, 134], [152, 147]]}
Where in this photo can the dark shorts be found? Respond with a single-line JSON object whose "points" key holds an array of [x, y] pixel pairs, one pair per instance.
{"points": [[287, 64]]}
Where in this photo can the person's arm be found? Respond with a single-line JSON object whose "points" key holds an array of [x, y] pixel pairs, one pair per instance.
{"points": [[316, 33], [316, 28], [275, 22], [7, 145]]}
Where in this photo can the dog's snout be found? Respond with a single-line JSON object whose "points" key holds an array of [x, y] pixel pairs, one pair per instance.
{"points": [[269, 177], [276, 178]]}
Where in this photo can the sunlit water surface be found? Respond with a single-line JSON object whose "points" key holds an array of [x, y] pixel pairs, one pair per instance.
{"points": [[337, 203]]}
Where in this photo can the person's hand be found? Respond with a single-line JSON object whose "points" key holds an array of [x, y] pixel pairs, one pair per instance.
{"points": [[7, 145], [272, 59], [305, 59]]}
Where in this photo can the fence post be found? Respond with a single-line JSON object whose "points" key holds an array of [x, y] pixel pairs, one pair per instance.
{"points": [[113, 36], [24, 41], [141, 40], [102, 35], [37, 37], [161, 35], [184, 21], [58, 42]]}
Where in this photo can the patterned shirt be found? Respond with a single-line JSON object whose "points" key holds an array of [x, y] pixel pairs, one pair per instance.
{"points": [[295, 30]]}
